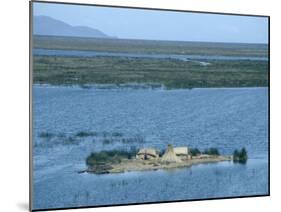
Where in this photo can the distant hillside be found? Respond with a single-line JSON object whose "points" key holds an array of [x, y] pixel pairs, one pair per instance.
{"points": [[44, 25]]}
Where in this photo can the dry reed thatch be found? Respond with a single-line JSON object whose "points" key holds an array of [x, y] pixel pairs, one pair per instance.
{"points": [[181, 150], [170, 156], [147, 153]]}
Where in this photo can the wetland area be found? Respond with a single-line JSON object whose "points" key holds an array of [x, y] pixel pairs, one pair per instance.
{"points": [[93, 95]]}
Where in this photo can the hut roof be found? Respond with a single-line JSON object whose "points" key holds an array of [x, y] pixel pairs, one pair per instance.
{"points": [[181, 150], [170, 156], [149, 151]]}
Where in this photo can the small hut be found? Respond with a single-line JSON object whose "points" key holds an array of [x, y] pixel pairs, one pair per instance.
{"points": [[181, 151], [170, 156], [147, 154]]}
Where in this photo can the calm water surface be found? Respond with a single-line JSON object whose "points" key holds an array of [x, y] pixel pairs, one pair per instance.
{"points": [[76, 53], [222, 118]]}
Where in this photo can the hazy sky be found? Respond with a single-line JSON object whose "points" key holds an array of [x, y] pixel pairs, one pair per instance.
{"points": [[160, 25]]}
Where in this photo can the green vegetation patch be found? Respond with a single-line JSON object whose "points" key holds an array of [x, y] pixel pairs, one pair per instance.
{"points": [[212, 151], [194, 151], [170, 73], [110, 156], [240, 156]]}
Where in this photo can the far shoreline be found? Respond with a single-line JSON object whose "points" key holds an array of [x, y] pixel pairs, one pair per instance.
{"points": [[134, 86]]}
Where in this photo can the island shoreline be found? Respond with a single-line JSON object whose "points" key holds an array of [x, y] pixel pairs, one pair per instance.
{"points": [[130, 165]]}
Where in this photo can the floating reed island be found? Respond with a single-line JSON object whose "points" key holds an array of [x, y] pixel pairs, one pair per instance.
{"points": [[145, 159]]}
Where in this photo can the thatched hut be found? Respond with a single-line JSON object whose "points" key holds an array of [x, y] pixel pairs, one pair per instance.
{"points": [[170, 156], [147, 154], [181, 151]]}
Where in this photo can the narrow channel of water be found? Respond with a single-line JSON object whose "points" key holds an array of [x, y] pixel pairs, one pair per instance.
{"points": [[75, 53]]}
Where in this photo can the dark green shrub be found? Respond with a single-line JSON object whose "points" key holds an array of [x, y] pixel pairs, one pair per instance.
{"points": [[109, 156], [212, 151], [194, 151], [240, 156]]}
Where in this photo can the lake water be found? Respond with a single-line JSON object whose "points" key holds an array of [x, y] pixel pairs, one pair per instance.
{"points": [[76, 53], [120, 118]]}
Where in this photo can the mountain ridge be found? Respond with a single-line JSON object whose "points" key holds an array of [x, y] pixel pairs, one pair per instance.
{"points": [[45, 25]]}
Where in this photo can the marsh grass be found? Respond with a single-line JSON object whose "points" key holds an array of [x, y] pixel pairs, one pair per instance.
{"points": [[49, 139], [170, 73], [86, 134], [117, 134], [107, 141], [56, 140], [138, 138], [47, 135], [105, 134], [68, 140]]}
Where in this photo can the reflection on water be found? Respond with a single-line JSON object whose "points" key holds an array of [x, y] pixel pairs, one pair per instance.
{"points": [[222, 118]]}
